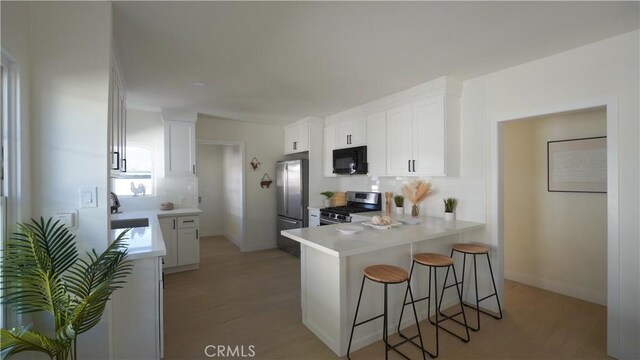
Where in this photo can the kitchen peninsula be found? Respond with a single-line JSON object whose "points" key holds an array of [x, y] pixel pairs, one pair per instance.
{"points": [[331, 273]]}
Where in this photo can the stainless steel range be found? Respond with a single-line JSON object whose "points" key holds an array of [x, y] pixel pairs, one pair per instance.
{"points": [[357, 202]]}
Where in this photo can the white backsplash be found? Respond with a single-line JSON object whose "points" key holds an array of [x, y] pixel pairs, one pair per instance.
{"points": [[469, 192]]}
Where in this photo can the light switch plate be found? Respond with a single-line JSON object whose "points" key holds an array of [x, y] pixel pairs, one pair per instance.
{"points": [[67, 217], [88, 196]]}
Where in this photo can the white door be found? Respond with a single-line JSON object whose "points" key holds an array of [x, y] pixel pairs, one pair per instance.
{"points": [[429, 141], [377, 143], [400, 140]]}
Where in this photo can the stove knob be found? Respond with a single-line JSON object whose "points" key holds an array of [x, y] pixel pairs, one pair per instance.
{"points": [[341, 217], [333, 216]]}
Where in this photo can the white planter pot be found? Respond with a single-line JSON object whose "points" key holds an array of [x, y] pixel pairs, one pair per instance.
{"points": [[399, 210], [327, 203], [449, 216]]}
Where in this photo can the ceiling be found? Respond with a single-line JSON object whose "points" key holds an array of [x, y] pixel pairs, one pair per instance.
{"points": [[278, 62]]}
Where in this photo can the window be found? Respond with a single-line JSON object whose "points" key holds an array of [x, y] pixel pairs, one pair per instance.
{"points": [[138, 180], [10, 164]]}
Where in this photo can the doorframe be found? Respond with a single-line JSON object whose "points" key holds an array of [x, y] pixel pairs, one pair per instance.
{"points": [[495, 220], [240, 242]]}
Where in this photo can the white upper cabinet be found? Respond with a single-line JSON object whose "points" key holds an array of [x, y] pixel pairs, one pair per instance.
{"points": [[422, 137], [117, 120], [400, 140], [179, 143], [329, 145], [377, 143], [296, 137], [352, 132]]}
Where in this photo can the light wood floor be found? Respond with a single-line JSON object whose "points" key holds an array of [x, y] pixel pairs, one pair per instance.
{"points": [[254, 299]]}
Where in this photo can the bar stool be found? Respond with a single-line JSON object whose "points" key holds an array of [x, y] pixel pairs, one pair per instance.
{"points": [[433, 262], [384, 274], [475, 250]]}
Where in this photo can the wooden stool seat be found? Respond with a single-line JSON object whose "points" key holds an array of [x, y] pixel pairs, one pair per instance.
{"points": [[429, 259], [471, 248], [386, 274]]}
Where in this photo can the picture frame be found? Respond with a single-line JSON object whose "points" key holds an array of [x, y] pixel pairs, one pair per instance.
{"points": [[577, 165]]}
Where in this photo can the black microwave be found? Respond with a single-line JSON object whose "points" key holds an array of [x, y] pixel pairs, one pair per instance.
{"points": [[350, 161]]}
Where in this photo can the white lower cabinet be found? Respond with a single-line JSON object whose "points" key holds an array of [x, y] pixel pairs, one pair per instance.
{"points": [[137, 312], [182, 240]]}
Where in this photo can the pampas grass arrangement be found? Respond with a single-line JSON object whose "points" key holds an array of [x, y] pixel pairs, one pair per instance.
{"points": [[416, 192]]}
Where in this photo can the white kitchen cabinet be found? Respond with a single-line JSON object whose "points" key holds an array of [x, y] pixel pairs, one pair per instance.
{"points": [[179, 148], [314, 217], [117, 121], [170, 237], [138, 312], [182, 241], [296, 137], [329, 146], [422, 137], [352, 132], [377, 143]]}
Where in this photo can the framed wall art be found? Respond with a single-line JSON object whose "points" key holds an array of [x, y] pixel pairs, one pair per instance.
{"points": [[577, 165]]}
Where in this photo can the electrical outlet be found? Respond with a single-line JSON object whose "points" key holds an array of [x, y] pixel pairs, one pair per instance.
{"points": [[69, 218]]}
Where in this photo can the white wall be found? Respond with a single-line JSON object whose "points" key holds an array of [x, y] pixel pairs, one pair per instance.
{"points": [[69, 65], [553, 240], [605, 71], [232, 200], [209, 162], [147, 127], [265, 142]]}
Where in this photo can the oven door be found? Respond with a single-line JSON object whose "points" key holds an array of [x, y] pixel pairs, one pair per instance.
{"points": [[330, 222]]}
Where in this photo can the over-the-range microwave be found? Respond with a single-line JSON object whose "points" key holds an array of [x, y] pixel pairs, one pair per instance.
{"points": [[350, 161]]}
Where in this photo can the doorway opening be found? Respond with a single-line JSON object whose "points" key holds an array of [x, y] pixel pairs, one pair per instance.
{"points": [[221, 189], [559, 241]]}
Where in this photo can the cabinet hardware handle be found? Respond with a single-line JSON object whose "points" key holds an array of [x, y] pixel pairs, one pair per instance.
{"points": [[174, 224], [197, 234], [124, 165], [188, 221], [295, 145], [193, 169], [414, 166], [409, 165], [117, 154]]}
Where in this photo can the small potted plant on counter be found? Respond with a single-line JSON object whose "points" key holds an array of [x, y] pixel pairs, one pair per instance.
{"points": [[328, 195], [450, 208], [399, 200]]}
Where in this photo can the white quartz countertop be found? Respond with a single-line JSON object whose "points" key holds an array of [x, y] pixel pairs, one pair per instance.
{"points": [[328, 240], [147, 241]]}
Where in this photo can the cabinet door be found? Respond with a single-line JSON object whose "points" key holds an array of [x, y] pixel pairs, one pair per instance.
{"points": [[351, 133], [188, 247], [377, 143], [400, 140], [429, 136], [180, 148], [303, 137], [290, 138], [114, 124], [170, 237], [329, 146]]}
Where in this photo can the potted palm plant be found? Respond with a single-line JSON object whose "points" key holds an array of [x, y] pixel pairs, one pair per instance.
{"points": [[328, 195], [399, 200], [42, 272], [450, 208]]}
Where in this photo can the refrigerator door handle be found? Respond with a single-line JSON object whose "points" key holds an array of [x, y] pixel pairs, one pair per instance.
{"points": [[289, 221], [286, 188]]}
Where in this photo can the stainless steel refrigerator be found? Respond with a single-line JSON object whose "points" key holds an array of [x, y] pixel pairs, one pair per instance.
{"points": [[293, 197]]}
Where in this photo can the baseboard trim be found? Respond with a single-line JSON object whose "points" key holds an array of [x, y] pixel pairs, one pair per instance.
{"points": [[557, 287], [258, 247]]}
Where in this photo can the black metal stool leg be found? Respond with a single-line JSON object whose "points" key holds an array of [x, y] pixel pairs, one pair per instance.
{"points": [[464, 317], [415, 315], [404, 301], [475, 274], [355, 317], [385, 335]]}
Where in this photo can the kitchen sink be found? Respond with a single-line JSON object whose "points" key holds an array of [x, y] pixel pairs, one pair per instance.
{"points": [[129, 223]]}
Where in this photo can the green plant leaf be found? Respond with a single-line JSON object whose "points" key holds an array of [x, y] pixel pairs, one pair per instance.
{"points": [[18, 340]]}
